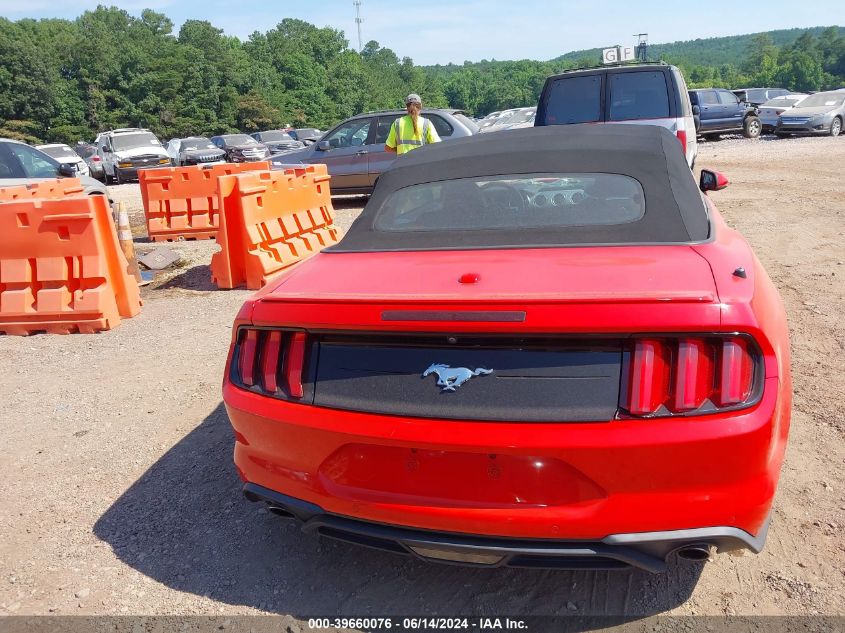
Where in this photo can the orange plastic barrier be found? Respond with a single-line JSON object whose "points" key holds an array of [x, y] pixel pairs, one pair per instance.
{"points": [[61, 268], [269, 221], [181, 203], [58, 188]]}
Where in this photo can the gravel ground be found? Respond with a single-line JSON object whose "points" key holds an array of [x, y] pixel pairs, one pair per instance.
{"points": [[118, 494]]}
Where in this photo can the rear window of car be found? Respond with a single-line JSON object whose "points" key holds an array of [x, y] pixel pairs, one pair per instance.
{"points": [[638, 95], [574, 100], [514, 201]]}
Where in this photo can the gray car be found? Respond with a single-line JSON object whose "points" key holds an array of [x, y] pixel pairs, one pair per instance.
{"points": [[21, 164], [820, 113], [354, 150]]}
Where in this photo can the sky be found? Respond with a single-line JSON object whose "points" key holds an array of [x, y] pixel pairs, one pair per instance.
{"points": [[444, 31]]}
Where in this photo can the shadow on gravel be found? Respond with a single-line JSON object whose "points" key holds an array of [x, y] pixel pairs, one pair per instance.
{"points": [[349, 202], [195, 278], [185, 524]]}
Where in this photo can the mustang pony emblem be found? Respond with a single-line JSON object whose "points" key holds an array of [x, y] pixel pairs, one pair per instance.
{"points": [[450, 378]]}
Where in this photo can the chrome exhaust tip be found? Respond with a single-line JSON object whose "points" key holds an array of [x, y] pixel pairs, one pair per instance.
{"points": [[696, 552]]}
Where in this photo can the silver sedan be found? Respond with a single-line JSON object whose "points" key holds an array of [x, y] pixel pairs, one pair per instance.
{"points": [[820, 113], [773, 108]]}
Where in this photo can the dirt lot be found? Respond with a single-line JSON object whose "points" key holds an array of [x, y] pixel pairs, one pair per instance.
{"points": [[118, 495]]}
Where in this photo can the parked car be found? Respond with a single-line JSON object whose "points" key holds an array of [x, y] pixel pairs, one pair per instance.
{"points": [[354, 150], [88, 152], [494, 118], [773, 108], [241, 148], [642, 94], [64, 154], [126, 151], [515, 119], [21, 164], [523, 118], [820, 113], [505, 380], [277, 141], [194, 150], [758, 96], [307, 135], [721, 111]]}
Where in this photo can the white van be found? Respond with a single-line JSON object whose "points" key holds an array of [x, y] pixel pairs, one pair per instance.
{"points": [[125, 151], [641, 94]]}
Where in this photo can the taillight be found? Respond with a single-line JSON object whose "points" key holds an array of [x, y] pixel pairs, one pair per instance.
{"points": [[294, 361], [689, 375], [270, 362], [682, 137]]}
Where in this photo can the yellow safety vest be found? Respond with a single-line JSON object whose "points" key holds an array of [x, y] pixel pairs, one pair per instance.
{"points": [[402, 132]]}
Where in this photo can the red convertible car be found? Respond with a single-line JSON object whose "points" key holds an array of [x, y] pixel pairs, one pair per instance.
{"points": [[545, 350]]}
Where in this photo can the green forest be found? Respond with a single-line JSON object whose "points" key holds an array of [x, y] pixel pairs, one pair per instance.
{"points": [[63, 80]]}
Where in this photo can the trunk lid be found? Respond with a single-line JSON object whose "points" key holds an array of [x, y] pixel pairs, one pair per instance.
{"points": [[540, 337], [602, 274]]}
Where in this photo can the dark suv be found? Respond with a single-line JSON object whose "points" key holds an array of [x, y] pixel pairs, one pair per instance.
{"points": [[640, 94], [721, 111]]}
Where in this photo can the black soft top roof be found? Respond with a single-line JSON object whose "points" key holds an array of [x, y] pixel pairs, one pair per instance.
{"points": [[674, 209]]}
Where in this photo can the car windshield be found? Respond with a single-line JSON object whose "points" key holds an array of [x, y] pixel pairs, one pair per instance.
{"points": [[755, 94], [513, 201], [197, 143], [59, 151], [121, 142], [239, 139], [782, 102], [523, 116], [308, 132], [275, 136], [822, 99]]}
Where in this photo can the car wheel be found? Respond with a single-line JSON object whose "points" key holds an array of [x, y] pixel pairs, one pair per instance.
{"points": [[836, 126], [752, 127]]}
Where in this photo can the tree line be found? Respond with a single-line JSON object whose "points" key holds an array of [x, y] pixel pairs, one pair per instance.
{"points": [[66, 80]]}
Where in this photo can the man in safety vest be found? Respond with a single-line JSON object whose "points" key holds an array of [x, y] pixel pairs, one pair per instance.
{"points": [[410, 131]]}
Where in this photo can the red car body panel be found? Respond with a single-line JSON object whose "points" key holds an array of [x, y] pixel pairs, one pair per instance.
{"points": [[527, 480]]}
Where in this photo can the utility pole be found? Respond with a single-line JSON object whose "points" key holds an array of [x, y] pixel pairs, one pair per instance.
{"points": [[642, 46], [358, 21]]}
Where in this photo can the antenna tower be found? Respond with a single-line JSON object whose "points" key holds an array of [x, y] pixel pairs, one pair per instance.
{"points": [[642, 46], [358, 20]]}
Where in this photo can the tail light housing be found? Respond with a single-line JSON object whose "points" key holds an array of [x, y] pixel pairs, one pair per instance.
{"points": [[689, 375], [682, 137], [271, 362]]}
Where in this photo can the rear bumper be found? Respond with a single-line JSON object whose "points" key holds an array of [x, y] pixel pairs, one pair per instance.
{"points": [[647, 551], [547, 481]]}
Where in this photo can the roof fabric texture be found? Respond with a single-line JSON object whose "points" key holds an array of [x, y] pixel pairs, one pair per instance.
{"points": [[675, 212]]}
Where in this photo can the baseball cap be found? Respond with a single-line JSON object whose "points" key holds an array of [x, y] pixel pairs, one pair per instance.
{"points": [[413, 98]]}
